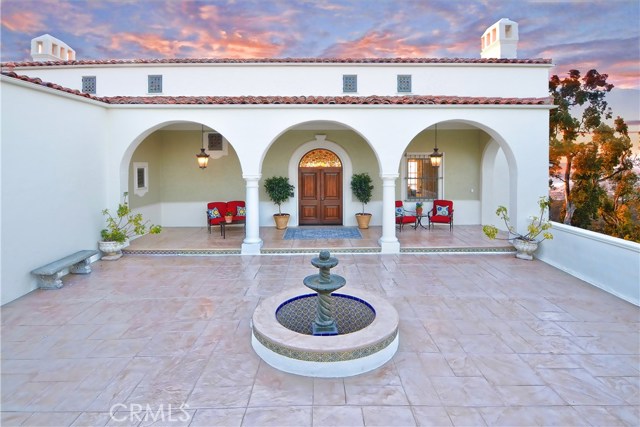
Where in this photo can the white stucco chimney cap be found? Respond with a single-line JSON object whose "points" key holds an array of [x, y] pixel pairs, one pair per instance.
{"points": [[500, 40], [48, 48]]}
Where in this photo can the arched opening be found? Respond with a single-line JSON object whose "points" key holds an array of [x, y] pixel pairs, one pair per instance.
{"points": [[466, 175], [320, 188], [162, 176]]}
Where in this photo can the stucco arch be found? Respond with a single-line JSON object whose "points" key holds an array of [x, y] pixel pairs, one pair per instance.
{"points": [[496, 162], [347, 171], [125, 160], [320, 126]]}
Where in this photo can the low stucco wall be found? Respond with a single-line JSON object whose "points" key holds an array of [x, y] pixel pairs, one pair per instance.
{"points": [[607, 262]]}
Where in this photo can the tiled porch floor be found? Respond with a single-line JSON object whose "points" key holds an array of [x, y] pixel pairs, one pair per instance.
{"points": [[484, 340], [198, 239]]}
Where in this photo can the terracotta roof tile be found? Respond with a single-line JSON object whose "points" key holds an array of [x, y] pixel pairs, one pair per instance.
{"points": [[298, 100], [280, 60], [325, 100]]}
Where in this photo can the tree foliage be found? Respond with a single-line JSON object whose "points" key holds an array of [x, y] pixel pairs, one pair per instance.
{"points": [[593, 160]]}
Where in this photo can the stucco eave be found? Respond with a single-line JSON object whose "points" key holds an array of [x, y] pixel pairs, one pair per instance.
{"points": [[52, 91]]}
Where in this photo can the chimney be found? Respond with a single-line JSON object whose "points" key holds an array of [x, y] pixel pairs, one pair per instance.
{"points": [[500, 40], [47, 48]]}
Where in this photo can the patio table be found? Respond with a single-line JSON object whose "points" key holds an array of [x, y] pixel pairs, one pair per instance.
{"points": [[223, 226]]}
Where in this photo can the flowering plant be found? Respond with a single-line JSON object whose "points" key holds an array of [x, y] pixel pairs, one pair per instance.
{"points": [[538, 225], [125, 224]]}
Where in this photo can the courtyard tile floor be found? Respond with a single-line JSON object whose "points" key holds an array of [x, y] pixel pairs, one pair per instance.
{"points": [[484, 340]]}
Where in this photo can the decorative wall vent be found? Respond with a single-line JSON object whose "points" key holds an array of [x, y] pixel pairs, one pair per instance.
{"points": [[215, 144], [155, 84], [349, 83], [404, 82], [89, 84]]}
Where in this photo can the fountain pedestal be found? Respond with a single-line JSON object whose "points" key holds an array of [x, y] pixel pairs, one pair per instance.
{"points": [[324, 284]]}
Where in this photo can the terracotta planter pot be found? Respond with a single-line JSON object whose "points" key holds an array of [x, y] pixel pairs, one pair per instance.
{"points": [[363, 220], [282, 220], [228, 219]]}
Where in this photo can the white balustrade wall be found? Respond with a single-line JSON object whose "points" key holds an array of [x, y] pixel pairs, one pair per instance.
{"points": [[606, 262]]}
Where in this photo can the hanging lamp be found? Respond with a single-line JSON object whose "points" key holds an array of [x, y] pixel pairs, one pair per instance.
{"points": [[203, 158], [435, 157]]}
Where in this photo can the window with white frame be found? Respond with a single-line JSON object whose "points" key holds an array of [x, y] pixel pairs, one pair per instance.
{"points": [[140, 178], [421, 178]]}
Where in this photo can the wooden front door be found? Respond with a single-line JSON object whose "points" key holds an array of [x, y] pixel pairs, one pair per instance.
{"points": [[320, 196]]}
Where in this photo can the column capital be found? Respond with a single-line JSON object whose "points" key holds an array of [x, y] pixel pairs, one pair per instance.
{"points": [[251, 177], [389, 176]]}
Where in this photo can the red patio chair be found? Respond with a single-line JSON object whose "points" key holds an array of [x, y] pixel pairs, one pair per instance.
{"points": [[401, 216], [442, 213]]}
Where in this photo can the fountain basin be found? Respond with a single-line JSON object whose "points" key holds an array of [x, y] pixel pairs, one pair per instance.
{"points": [[330, 356]]}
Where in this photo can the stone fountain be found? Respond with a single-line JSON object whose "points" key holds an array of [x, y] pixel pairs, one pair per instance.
{"points": [[325, 334]]}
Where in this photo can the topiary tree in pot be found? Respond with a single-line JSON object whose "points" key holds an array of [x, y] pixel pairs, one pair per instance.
{"points": [[362, 188], [279, 191]]}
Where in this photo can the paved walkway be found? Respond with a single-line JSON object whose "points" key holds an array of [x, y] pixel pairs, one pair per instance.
{"points": [[484, 340]]}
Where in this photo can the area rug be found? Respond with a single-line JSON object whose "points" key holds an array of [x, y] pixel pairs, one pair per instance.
{"points": [[304, 233]]}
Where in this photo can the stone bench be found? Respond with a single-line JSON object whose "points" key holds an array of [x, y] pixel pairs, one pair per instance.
{"points": [[49, 275]]}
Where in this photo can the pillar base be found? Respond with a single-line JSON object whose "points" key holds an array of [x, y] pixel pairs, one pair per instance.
{"points": [[389, 246], [251, 247]]}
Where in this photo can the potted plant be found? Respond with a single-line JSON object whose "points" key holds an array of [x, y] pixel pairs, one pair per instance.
{"points": [[279, 191], [525, 244], [362, 187], [228, 217], [121, 226], [419, 208]]}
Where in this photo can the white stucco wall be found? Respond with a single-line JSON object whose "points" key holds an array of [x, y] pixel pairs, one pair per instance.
{"points": [[54, 151], [607, 262], [295, 79]]}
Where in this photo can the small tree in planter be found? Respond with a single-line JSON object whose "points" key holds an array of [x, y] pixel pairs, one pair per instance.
{"points": [[122, 226], [525, 244], [279, 191], [362, 188]]}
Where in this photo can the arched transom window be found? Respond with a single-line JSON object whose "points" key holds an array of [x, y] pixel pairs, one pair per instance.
{"points": [[320, 158]]}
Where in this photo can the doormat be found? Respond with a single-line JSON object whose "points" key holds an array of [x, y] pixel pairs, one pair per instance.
{"points": [[303, 233]]}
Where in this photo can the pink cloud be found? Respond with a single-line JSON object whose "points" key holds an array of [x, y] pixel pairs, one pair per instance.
{"points": [[376, 44], [23, 21], [205, 44]]}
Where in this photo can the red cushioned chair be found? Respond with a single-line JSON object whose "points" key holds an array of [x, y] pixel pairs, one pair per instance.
{"points": [[401, 216], [442, 213]]}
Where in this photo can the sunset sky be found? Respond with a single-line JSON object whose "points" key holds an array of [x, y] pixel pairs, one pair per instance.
{"points": [[580, 34]]}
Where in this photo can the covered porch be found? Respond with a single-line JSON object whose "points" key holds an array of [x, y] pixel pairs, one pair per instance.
{"points": [[197, 241]]}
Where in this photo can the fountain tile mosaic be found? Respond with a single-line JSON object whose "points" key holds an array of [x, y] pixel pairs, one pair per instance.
{"points": [[350, 313], [324, 357]]}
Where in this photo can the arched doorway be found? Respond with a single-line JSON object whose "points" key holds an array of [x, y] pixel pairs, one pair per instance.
{"points": [[320, 188]]}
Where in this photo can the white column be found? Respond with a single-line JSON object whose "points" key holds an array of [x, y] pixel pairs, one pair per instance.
{"points": [[389, 243], [252, 241]]}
